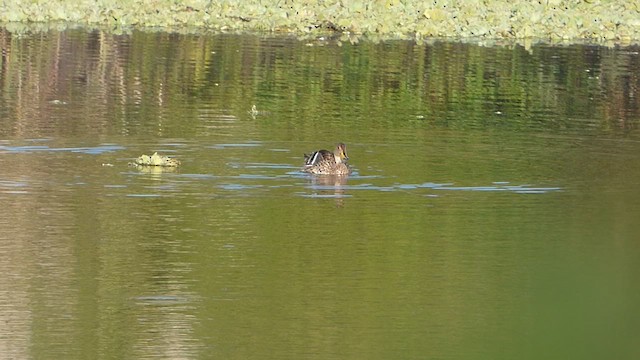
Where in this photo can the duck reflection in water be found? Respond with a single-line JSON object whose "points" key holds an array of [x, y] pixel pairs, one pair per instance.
{"points": [[332, 186]]}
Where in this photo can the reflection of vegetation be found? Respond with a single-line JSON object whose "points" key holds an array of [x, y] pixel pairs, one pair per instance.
{"points": [[157, 82], [561, 19]]}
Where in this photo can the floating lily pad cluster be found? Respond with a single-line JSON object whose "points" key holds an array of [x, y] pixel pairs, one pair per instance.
{"points": [[552, 19]]}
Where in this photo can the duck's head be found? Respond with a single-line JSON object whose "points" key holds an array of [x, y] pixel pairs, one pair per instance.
{"points": [[340, 153]]}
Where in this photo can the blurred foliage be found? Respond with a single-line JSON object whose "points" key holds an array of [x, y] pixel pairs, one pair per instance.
{"points": [[125, 84], [552, 19]]}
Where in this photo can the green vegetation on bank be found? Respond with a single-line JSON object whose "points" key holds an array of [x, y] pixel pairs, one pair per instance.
{"points": [[593, 20]]}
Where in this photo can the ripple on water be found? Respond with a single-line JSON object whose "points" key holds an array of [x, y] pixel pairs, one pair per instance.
{"points": [[144, 195], [256, 176], [12, 184], [92, 150], [520, 189], [495, 187], [239, 186], [269, 166], [236, 145], [331, 196]]}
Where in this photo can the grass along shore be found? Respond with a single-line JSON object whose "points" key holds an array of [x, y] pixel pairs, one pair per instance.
{"points": [[614, 20]]}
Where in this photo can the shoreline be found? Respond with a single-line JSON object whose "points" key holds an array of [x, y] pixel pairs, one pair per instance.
{"points": [[565, 21]]}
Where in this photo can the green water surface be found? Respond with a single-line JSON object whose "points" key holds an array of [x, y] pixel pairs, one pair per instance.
{"points": [[492, 212]]}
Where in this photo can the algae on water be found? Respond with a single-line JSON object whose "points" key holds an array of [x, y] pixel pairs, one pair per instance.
{"points": [[595, 20], [155, 160]]}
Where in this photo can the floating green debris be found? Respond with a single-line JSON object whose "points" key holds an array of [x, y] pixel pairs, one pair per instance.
{"points": [[155, 160]]}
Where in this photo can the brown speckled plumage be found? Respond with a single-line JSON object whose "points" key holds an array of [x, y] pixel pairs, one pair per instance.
{"points": [[324, 162]]}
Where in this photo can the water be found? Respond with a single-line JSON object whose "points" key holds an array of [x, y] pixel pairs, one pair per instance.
{"points": [[492, 212]]}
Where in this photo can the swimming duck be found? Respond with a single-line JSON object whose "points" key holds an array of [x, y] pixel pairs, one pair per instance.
{"points": [[324, 162]]}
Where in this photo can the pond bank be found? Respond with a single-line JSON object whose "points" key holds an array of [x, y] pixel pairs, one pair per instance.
{"points": [[597, 21]]}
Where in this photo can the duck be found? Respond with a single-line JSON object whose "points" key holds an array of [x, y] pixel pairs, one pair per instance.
{"points": [[325, 162]]}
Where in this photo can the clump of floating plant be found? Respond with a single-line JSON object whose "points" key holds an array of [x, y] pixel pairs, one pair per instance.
{"points": [[155, 160]]}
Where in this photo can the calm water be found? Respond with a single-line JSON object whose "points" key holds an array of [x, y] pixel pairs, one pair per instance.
{"points": [[492, 214]]}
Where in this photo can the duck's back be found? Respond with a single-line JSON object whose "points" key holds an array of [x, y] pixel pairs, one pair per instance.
{"points": [[318, 157]]}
